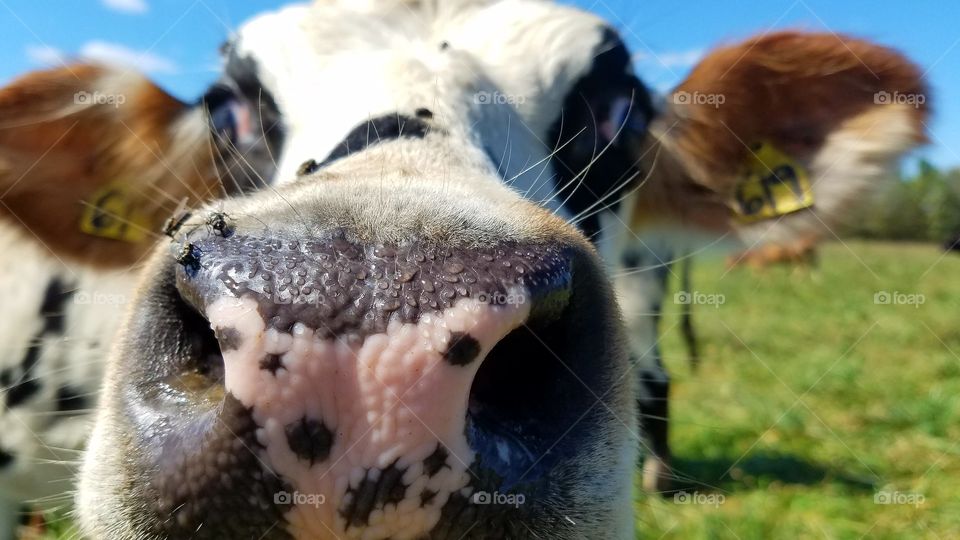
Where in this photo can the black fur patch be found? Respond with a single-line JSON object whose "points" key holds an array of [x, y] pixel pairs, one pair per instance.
{"points": [[592, 171], [378, 130], [70, 399], [310, 440], [244, 164], [27, 385], [54, 320], [6, 458], [462, 349], [54, 302]]}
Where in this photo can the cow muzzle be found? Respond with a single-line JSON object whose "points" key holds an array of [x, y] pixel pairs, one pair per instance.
{"points": [[328, 387]]}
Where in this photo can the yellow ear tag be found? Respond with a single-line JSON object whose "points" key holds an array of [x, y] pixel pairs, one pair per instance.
{"points": [[108, 214], [773, 185]]}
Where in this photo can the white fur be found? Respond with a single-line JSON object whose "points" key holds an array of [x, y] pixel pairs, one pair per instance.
{"points": [[46, 445], [332, 66]]}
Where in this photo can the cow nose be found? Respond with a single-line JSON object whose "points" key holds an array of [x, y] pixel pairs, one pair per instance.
{"points": [[357, 363], [343, 288]]}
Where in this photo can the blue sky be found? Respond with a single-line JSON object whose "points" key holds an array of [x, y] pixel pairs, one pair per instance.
{"points": [[176, 41]]}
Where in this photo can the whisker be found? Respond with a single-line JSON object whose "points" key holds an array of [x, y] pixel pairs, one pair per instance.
{"points": [[581, 177], [591, 210], [263, 133], [216, 156]]}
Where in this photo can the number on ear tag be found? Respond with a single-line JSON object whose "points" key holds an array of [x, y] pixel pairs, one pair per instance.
{"points": [[773, 185], [108, 214]]}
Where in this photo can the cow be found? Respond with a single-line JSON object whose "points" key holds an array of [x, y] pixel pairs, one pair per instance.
{"points": [[800, 253], [769, 141], [374, 314]]}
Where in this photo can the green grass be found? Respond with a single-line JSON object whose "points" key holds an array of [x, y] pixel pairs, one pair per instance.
{"points": [[811, 398]]}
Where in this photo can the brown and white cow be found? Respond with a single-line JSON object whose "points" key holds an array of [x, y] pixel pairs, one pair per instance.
{"points": [[770, 141], [800, 253], [393, 337]]}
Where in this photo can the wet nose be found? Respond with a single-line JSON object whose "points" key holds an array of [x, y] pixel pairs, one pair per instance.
{"points": [[356, 361], [348, 289]]}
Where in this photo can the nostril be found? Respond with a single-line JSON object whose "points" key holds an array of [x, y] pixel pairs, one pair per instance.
{"points": [[209, 360], [523, 402], [521, 382], [541, 381], [192, 369], [201, 372]]}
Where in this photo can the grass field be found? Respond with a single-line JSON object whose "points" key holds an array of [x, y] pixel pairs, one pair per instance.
{"points": [[814, 404]]}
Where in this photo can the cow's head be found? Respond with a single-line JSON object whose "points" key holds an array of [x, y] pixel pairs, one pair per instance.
{"points": [[775, 140], [388, 341]]}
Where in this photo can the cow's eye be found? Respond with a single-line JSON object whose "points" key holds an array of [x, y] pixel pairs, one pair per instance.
{"points": [[230, 115], [247, 131]]}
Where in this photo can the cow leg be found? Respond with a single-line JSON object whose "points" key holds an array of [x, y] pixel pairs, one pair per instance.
{"points": [[9, 519], [686, 318], [641, 284], [654, 405]]}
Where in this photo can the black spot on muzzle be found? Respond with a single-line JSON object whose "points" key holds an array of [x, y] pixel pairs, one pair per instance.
{"points": [[462, 349], [229, 339], [310, 440]]}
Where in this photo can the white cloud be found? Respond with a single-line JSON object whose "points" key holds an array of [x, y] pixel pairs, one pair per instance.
{"points": [[116, 54], [45, 55], [127, 6], [670, 59]]}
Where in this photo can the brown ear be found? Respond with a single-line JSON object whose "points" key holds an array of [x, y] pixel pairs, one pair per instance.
{"points": [[837, 110], [92, 160]]}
